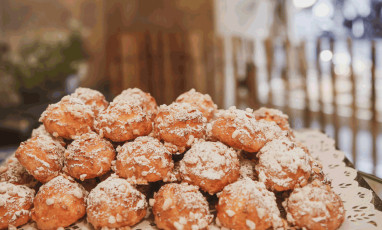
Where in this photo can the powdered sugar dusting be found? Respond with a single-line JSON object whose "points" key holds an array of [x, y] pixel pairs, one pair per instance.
{"points": [[146, 156], [13, 172], [86, 94], [13, 198], [183, 123], [123, 108], [203, 102], [247, 169], [245, 124], [135, 96], [68, 118], [186, 197], [279, 161], [91, 97], [263, 112], [209, 160], [64, 184], [256, 195], [181, 112], [123, 121], [180, 120], [40, 131], [88, 154], [72, 105], [47, 143], [250, 224], [316, 200], [71, 151], [45, 153], [115, 192]]}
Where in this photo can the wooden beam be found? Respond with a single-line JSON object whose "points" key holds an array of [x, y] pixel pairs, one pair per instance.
{"points": [[374, 122], [269, 53], [219, 63], [303, 70], [354, 120], [334, 91], [319, 76]]}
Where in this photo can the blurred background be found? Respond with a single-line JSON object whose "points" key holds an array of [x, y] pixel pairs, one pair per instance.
{"points": [[319, 61]]}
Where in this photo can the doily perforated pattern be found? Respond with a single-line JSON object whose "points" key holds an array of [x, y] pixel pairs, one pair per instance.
{"points": [[360, 212]]}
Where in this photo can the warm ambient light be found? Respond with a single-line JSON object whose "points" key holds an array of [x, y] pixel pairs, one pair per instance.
{"points": [[323, 9], [326, 55]]}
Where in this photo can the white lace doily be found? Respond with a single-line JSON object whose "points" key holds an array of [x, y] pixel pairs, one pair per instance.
{"points": [[360, 212]]}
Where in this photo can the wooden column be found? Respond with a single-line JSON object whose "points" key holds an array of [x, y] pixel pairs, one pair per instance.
{"points": [[168, 78], [374, 122], [155, 60], [208, 57], [354, 120], [132, 46], [114, 65], [251, 75], [219, 63], [269, 52], [303, 70], [334, 91], [178, 61], [236, 53], [285, 73], [196, 65], [319, 76]]}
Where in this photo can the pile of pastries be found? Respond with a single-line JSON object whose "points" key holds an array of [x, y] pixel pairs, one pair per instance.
{"points": [[188, 164]]}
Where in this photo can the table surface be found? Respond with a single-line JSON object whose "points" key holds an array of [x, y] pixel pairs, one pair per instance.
{"points": [[375, 185], [370, 182]]}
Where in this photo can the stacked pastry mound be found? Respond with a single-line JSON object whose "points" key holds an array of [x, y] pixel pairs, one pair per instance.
{"points": [[187, 163]]}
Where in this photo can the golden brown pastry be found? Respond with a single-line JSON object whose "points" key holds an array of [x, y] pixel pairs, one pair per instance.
{"points": [[123, 121], [179, 125], [13, 172], [315, 206], [247, 169], [240, 129], [59, 203], [203, 102], [283, 165], [140, 98], [88, 156], [247, 204], [41, 156], [181, 206], [41, 131], [15, 204], [210, 165], [68, 118], [274, 115], [92, 98], [114, 203], [143, 160]]}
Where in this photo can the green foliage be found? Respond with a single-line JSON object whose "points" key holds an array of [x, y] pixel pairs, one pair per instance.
{"points": [[42, 61]]}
